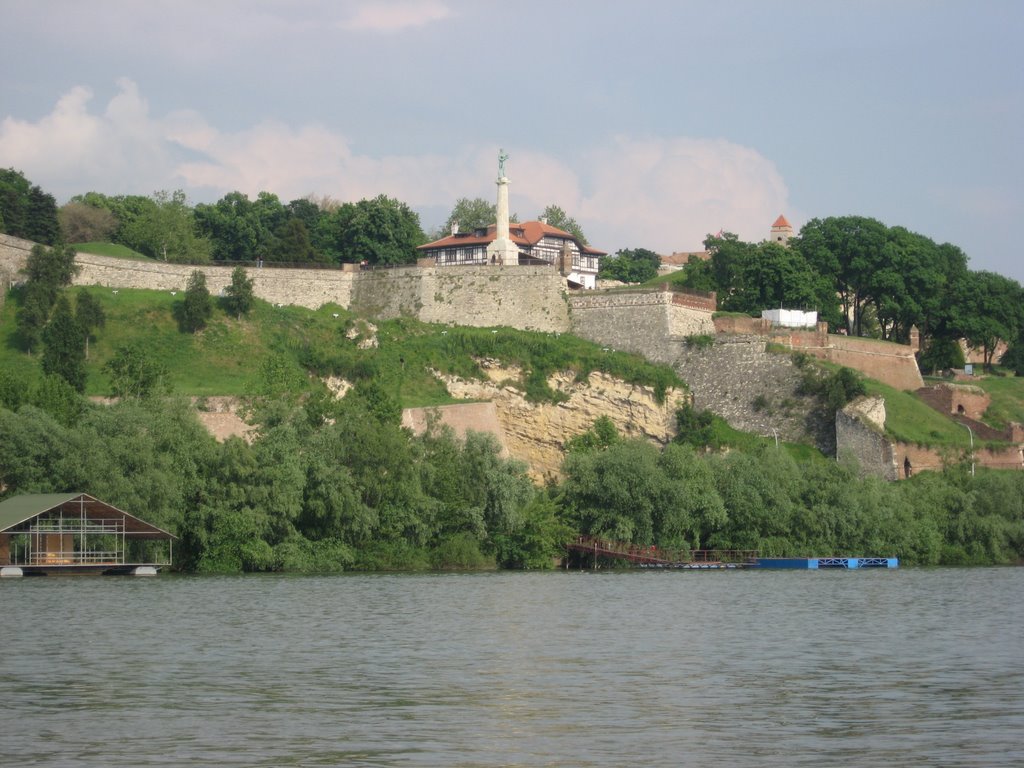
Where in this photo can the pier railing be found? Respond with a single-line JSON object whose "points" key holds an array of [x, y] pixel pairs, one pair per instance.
{"points": [[656, 556]]}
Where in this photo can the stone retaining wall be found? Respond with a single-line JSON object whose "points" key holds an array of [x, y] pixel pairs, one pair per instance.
{"points": [[303, 287], [892, 364], [13, 255], [642, 322]]}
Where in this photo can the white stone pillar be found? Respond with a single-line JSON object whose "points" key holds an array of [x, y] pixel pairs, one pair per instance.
{"points": [[502, 250]]}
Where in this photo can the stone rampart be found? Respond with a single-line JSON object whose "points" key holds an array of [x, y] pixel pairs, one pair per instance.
{"points": [[521, 297], [753, 389], [13, 255], [892, 364], [640, 322], [860, 438], [530, 298], [743, 324], [303, 287]]}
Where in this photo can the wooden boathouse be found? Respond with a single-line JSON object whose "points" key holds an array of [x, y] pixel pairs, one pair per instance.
{"points": [[75, 533]]}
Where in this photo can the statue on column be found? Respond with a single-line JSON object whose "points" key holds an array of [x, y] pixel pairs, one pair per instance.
{"points": [[502, 157]]}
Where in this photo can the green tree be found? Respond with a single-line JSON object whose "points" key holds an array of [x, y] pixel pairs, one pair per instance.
{"points": [[988, 308], [135, 373], [166, 230], [557, 217], [195, 310], [27, 211], [32, 315], [469, 215], [239, 296], [1013, 358], [849, 251], [378, 231], [83, 223], [630, 265], [89, 314], [64, 346], [293, 244], [51, 268]]}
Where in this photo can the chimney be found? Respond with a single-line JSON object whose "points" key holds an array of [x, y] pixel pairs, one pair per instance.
{"points": [[455, 228]]}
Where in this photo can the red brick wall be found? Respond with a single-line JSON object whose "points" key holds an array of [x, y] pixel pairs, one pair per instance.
{"points": [[931, 459], [703, 301]]}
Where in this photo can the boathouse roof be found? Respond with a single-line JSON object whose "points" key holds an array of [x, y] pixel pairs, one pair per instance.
{"points": [[18, 509]]}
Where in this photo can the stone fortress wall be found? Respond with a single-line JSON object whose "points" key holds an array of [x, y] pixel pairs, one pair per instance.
{"points": [[890, 363], [303, 287], [13, 255]]}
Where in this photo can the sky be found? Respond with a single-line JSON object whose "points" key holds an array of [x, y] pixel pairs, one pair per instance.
{"points": [[651, 122]]}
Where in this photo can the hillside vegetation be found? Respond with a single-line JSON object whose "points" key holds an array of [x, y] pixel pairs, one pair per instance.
{"points": [[236, 357]]}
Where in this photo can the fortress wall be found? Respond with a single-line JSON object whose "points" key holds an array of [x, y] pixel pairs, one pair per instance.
{"points": [[758, 326], [892, 364], [866, 445], [13, 255], [303, 287], [753, 389], [530, 298], [633, 322], [936, 459]]}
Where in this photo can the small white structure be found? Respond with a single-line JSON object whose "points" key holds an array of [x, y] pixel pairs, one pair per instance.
{"points": [[791, 318], [781, 231]]}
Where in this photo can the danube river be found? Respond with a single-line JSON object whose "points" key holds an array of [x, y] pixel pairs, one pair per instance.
{"points": [[908, 667]]}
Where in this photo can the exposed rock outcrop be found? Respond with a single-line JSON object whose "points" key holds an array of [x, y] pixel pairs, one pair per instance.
{"points": [[537, 433]]}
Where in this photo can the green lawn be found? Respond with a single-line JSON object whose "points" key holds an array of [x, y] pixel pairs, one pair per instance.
{"points": [[910, 420], [1007, 399], [110, 249]]}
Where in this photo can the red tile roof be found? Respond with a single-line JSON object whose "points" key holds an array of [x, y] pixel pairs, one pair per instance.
{"points": [[525, 233], [781, 222]]}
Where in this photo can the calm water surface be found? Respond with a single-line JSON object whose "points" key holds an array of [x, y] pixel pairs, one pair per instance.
{"points": [[912, 667]]}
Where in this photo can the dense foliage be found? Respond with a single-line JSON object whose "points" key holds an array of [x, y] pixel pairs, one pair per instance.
{"points": [[343, 488], [867, 279], [630, 265], [27, 211]]}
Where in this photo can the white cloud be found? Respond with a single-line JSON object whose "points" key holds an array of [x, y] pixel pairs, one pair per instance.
{"points": [[668, 193], [663, 193], [392, 16]]}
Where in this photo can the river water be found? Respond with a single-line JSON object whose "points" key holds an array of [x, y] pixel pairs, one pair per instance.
{"points": [[907, 667]]}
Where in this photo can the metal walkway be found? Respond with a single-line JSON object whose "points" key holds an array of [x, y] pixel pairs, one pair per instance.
{"points": [[655, 557]]}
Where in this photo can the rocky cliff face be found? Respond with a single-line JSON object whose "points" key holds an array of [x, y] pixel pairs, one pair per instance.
{"points": [[537, 433]]}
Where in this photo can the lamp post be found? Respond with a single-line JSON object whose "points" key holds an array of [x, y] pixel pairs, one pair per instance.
{"points": [[971, 433], [776, 433]]}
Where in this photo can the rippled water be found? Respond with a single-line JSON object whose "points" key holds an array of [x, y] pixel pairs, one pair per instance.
{"points": [[912, 667]]}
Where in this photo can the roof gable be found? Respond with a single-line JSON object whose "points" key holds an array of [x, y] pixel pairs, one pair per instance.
{"points": [[19, 509]]}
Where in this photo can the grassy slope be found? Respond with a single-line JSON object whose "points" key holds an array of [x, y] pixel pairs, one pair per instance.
{"points": [[1007, 399], [110, 249], [226, 358]]}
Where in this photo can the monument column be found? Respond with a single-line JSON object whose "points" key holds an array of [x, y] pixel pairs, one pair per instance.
{"points": [[502, 250]]}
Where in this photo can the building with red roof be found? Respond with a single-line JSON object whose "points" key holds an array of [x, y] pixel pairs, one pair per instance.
{"points": [[782, 230], [538, 242]]}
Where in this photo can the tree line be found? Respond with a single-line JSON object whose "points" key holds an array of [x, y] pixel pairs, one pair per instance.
{"points": [[868, 279], [347, 488]]}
